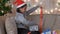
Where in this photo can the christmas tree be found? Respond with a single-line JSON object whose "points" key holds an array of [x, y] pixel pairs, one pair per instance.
{"points": [[5, 7]]}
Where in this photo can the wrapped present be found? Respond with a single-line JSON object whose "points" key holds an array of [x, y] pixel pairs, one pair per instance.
{"points": [[48, 31], [54, 32]]}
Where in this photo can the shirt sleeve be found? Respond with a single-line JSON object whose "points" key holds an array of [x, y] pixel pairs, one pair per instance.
{"points": [[31, 10], [20, 19]]}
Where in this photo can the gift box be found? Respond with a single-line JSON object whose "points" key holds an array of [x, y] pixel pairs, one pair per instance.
{"points": [[47, 31]]}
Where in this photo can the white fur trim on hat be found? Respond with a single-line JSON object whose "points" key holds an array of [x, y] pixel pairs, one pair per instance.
{"points": [[21, 5]]}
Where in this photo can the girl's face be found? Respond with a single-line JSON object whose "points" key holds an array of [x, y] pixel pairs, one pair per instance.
{"points": [[23, 9]]}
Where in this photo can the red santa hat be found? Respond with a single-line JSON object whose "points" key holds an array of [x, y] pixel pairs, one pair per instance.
{"points": [[19, 3]]}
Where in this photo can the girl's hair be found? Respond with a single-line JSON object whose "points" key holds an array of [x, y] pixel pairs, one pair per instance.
{"points": [[20, 7]]}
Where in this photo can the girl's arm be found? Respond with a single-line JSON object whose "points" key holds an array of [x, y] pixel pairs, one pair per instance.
{"points": [[31, 10]]}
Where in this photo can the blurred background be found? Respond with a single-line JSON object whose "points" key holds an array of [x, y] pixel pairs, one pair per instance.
{"points": [[51, 12], [49, 6]]}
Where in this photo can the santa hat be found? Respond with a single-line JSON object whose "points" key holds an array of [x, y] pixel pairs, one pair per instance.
{"points": [[19, 3]]}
